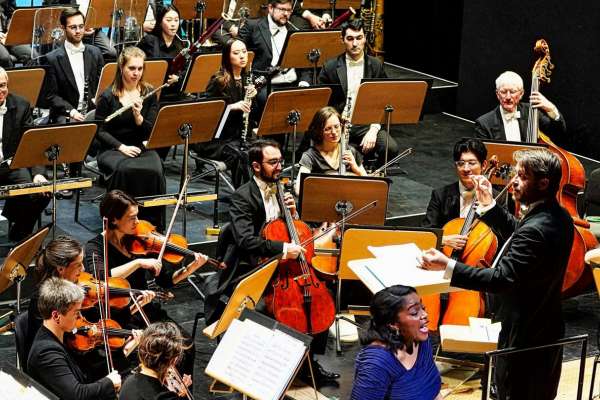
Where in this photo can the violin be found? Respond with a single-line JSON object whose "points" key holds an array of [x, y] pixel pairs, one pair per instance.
{"points": [[147, 241], [578, 276], [118, 290], [88, 335], [296, 297]]}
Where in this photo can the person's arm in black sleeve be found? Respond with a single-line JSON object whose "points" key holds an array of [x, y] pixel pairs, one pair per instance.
{"points": [[150, 114], [554, 128], [432, 216], [501, 221], [480, 131], [103, 110], [52, 93]]}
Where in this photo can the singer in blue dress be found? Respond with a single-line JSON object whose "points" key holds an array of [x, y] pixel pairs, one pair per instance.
{"points": [[396, 361]]}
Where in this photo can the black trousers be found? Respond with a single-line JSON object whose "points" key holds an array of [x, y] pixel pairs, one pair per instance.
{"points": [[21, 52], [101, 41], [358, 132], [22, 211]]}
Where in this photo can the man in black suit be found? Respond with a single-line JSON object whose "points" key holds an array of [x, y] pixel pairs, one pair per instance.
{"points": [[69, 68], [348, 69], [453, 201], [21, 211], [509, 120], [527, 275]]}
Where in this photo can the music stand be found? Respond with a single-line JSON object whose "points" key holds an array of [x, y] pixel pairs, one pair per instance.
{"points": [[319, 203], [52, 145], [15, 266], [203, 68], [286, 108], [256, 8], [155, 72], [387, 103], [194, 9], [174, 126], [246, 295], [103, 10], [20, 30], [306, 49], [325, 4], [504, 151], [27, 82]]}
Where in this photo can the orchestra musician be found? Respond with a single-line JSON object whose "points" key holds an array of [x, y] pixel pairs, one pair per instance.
{"points": [[231, 81], [121, 211], [50, 362], [348, 69], [125, 162], [325, 130], [63, 258], [527, 274], [161, 347], [21, 211], [69, 68], [21, 52], [396, 360], [509, 120], [251, 206]]}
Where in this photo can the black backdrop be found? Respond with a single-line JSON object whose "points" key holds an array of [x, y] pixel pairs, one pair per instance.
{"points": [[500, 35]]}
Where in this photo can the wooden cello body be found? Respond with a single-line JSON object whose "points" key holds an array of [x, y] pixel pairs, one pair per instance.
{"points": [[578, 276]]}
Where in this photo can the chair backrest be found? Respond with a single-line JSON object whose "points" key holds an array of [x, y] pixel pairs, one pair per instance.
{"points": [[21, 338], [224, 240]]}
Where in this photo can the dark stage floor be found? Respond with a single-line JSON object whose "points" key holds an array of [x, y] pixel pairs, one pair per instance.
{"points": [[429, 166]]}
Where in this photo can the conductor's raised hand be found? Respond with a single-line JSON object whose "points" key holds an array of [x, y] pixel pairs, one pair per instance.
{"points": [[483, 189], [290, 203], [434, 260]]}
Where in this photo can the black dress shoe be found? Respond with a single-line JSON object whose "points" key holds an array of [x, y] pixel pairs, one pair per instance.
{"points": [[321, 375], [493, 391]]}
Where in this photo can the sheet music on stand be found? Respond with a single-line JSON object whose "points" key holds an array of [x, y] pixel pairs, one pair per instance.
{"points": [[257, 360], [15, 385]]}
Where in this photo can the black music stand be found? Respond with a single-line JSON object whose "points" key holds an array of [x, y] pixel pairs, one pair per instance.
{"points": [[174, 126], [309, 49], [287, 107], [52, 145], [318, 202], [389, 102]]}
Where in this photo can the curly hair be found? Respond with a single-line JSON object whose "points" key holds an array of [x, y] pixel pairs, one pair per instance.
{"points": [[59, 252], [161, 346]]}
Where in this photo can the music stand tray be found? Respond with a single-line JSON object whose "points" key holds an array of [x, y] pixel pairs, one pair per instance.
{"points": [[155, 72], [27, 82], [187, 9], [203, 67], [15, 266], [246, 295], [325, 4], [52, 145], [20, 30], [504, 150]]}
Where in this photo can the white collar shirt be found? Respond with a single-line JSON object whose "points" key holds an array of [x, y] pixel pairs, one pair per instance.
{"points": [[466, 198], [278, 35], [272, 210], [511, 125], [75, 55], [3, 110]]}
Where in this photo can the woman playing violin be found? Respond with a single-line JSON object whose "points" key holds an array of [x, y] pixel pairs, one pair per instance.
{"points": [[161, 347], [121, 211], [325, 130]]}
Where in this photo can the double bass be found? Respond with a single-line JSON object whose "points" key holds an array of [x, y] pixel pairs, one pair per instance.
{"points": [[578, 276], [296, 297]]}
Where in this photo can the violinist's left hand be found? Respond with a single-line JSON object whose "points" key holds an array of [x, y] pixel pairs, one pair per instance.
{"points": [[434, 260], [132, 342], [538, 100], [199, 260], [290, 203], [145, 298], [187, 380]]}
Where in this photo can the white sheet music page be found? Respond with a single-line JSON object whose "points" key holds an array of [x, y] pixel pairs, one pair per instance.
{"points": [[399, 265]]}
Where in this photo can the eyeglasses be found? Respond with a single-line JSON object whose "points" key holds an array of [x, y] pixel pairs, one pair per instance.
{"points": [[463, 164], [332, 128], [284, 10], [76, 27], [273, 163]]}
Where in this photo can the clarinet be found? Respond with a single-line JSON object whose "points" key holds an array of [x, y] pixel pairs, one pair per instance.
{"points": [[345, 132], [86, 95], [247, 99]]}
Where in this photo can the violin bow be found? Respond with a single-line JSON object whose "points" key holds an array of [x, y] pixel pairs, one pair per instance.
{"points": [[109, 360], [106, 287], [392, 161], [178, 378], [181, 194]]}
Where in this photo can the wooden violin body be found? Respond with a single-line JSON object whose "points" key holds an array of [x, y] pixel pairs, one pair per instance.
{"points": [[90, 335], [326, 266]]}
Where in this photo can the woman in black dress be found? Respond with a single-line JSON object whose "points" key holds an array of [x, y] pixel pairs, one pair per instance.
{"points": [[161, 347], [123, 159], [121, 211], [231, 81]]}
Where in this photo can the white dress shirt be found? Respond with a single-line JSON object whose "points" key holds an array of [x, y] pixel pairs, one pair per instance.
{"points": [[75, 55], [278, 35], [272, 210], [466, 198], [511, 123], [3, 110], [355, 71]]}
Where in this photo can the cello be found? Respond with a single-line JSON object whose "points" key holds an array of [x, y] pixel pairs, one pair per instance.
{"points": [[455, 308], [296, 297], [578, 276]]}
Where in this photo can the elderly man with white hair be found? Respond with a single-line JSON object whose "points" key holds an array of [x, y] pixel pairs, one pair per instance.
{"points": [[509, 120]]}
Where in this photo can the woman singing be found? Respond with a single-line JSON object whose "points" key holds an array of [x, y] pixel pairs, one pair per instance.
{"points": [[396, 361], [325, 131], [123, 159], [121, 211], [231, 81], [161, 347]]}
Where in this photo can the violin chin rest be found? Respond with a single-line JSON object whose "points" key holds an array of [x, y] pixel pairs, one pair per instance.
{"points": [[592, 256]]}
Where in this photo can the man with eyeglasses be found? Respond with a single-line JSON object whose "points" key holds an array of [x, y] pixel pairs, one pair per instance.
{"points": [[252, 206], [70, 67], [21, 211], [510, 119]]}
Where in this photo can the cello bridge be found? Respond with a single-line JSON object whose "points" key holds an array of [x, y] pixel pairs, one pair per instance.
{"points": [[303, 280]]}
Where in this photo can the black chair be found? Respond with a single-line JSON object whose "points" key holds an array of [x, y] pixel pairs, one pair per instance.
{"points": [[22, 340]]}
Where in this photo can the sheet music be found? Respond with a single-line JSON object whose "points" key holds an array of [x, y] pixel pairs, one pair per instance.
{"points": [[10, 389], [256, 360]]}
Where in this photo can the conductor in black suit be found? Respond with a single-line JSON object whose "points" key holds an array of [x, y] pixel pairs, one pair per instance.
{"points": [[21, 211], [70, 66], [348, 69], [509, 120], [527, 274]]}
